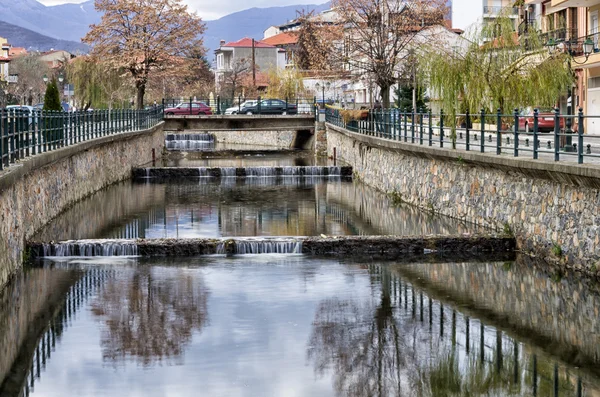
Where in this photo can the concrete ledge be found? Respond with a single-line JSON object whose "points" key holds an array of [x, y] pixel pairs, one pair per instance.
{"points": [[218, 172], [9, 176], [587, 175], [385, 247]]}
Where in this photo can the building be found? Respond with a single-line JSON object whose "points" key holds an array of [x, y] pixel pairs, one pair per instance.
{"points": [[327, 17], [287, 41], [466, 13], [4, 60], [56, 58], [235, 56]]}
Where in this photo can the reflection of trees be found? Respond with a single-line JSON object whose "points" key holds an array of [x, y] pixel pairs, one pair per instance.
{"points": [[151, 316], [362, 345]]}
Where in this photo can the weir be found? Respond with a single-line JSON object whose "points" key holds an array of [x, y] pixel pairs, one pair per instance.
{"points": [[390, 247], [243, 172]]}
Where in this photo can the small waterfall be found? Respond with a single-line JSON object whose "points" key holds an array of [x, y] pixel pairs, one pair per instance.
{"points": [[228, 171], [190, 142], [259, 246], [203, 172], [260, 171], [91, 248]]}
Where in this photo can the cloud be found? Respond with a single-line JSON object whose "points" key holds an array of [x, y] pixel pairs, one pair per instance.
{"points": [[214, 10]]}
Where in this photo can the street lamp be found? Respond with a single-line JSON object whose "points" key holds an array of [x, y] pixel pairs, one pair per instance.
{"points": [[567, 46], [45, 78], [323, 86]]}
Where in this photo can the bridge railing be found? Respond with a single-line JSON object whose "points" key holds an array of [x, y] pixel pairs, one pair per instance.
{"points": [[230, 106], [546, 135], [25, 133]]}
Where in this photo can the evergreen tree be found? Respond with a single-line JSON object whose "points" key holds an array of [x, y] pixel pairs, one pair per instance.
{"points": [[52, 97], [404, 97]]}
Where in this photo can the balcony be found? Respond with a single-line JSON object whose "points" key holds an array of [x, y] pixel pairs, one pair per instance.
{"points": [[497, 10], [560, 35], [574, 3]]}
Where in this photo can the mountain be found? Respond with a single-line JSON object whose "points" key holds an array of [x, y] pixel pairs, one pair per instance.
{"points": [[71, 21], [66, 21], [33, 41], [251, 23]]}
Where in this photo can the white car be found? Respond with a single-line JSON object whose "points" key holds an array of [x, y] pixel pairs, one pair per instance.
{"points": [[235, 109]]}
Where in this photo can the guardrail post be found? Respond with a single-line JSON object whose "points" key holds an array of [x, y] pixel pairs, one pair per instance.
{"points": [[412, 126], [430, 128], [482, 141], [499, 132], [516, 133], [580, 136], [421, 127], [556, 134], [536, 142], [442, 128], [467, 132]]}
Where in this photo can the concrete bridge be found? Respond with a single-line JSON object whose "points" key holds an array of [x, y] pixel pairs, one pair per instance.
{"points": [[285, 132]]}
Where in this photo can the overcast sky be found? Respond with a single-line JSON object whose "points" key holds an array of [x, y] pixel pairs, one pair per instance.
{"points": [[214, 10]]}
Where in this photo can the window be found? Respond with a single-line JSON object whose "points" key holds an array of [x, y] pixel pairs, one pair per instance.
{"points": [[220, 61]]}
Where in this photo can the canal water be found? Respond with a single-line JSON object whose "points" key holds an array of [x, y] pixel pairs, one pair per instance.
{"points": [[284, 325]]}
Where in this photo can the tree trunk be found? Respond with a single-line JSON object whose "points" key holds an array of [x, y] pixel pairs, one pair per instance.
{"points": [[385, 96], [141, 91]]}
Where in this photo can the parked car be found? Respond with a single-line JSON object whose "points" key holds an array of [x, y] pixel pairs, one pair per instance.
{"points": [[26, 109], [236, 109], [198, 108], [270, 106], [545, 120]]}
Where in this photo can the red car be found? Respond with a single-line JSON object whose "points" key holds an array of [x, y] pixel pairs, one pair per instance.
{"points": [[198, 108], [545, 120]]}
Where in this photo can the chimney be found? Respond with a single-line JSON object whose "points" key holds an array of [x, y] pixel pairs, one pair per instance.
{"points": [[222, 43]]}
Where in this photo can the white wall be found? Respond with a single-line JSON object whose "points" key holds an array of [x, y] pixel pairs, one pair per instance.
{"points": [[466, 12]]}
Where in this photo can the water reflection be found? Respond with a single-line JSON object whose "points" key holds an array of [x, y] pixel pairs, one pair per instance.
{"points": [[375, 329], [150, 314], [235, 207]]}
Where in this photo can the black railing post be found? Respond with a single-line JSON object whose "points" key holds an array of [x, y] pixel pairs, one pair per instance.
{"points": [[556, 134], [219, 104], [467, 132], [442, 128], [191, 104], [286, 104], [499, 132], [516, 133], [258, 106], [430, 128], [421, 127], [536, 140], [580, 131], [405, 125], [412, 126], [482, 140]]}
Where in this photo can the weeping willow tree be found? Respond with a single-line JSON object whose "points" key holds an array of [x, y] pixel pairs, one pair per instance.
{"points": [[496, 69], [285, 84], [97, 84]]}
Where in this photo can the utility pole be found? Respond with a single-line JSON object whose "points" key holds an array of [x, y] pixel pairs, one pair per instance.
{"points": [[253, 64]]}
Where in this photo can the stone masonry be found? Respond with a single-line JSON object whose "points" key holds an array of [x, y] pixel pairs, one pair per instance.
{"points": [[35, 191], [551, 208]]}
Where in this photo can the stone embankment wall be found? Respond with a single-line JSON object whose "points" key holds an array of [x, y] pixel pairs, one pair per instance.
{"points": [[38, 189], [552, 208]]}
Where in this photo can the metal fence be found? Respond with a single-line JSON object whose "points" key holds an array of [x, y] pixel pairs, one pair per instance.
{"points": [[25, 133], [230, 106], [550, 136]]}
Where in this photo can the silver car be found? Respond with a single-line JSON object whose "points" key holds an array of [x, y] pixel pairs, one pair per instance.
{"points": [[235, 109]]}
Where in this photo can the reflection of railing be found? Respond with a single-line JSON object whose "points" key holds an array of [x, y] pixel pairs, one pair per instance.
{"points": [[471, 341], [77, 296], [497, 10]]}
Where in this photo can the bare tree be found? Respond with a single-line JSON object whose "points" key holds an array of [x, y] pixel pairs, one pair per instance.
{"points": [[316, 40], [30, 70], [143, 35], [233, 79], [378, 35]]}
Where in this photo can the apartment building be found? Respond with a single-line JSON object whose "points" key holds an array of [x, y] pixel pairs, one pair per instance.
{"points": [[466, 13]]}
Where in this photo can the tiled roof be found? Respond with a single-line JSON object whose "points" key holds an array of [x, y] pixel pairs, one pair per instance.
{"points": [[247, 42], [282, 39]]}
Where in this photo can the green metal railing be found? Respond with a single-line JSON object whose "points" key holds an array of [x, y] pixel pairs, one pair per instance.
{"points": [[25, 133], [550, 136]]}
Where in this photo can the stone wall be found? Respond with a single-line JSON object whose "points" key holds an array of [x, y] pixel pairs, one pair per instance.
{"points": [[35, 191], [546, 205]]}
